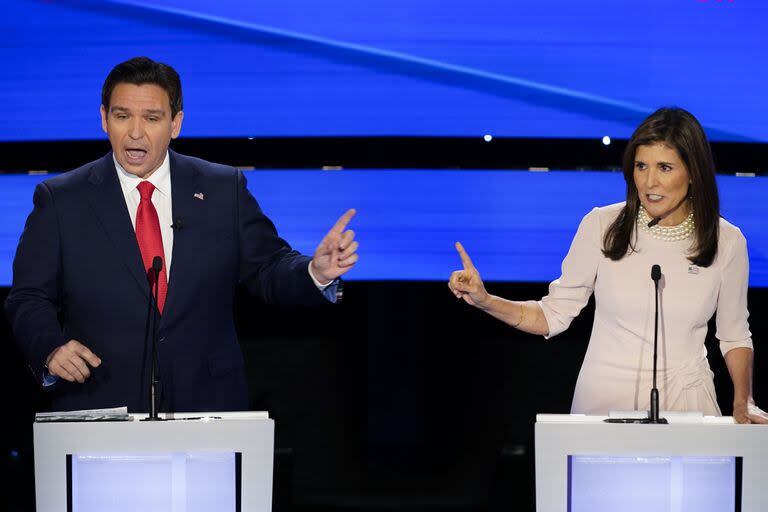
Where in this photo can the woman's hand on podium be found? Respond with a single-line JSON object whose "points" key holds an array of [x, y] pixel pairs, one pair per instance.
{"points": [[749, 412], [71, 360], [466, 284]]}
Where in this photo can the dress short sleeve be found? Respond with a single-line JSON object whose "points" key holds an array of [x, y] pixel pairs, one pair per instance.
{"points": [[570, 292], [731, 317]]}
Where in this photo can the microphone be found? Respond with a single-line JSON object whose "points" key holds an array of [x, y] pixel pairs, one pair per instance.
{"points": [[656, 220], [653, 414], [650, 225], [178, 224], [153, 314]]}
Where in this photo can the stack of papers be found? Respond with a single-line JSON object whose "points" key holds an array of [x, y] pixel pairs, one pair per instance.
{"points": [[113, 414]]}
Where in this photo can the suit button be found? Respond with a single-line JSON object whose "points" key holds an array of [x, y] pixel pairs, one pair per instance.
{"points": [[161, 339]]}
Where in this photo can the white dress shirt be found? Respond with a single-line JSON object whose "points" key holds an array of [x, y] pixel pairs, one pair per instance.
{"points": [[161, 199]]}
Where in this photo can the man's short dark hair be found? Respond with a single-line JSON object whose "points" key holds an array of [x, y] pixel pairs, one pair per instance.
{"points": [[140, 71]]}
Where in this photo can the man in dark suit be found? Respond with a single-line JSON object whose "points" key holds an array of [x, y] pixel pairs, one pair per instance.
{"points": [[78, 305]]}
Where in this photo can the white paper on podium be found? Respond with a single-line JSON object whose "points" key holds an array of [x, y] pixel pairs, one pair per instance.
{"points": [[111, 414]]}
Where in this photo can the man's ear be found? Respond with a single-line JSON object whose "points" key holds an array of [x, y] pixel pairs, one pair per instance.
{"points": [[103, 118], [176, 124]]}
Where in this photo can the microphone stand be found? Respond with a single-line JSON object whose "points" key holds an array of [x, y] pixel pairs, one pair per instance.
{"points": [[653, 413], [157, 265]]}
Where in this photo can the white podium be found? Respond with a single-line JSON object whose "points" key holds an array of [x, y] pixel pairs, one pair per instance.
{"points": [[707, 461], [198, 461]]}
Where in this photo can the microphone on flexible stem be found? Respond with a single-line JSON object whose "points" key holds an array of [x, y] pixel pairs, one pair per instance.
{"points": [[653, 222], [157, 265], [656, 220], [653, 414]]}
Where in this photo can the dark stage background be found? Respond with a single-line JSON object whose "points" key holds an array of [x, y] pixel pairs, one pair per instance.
{"points": [[414, 402]]}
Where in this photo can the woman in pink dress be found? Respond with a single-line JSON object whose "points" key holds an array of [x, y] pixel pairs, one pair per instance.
{"points": [[671, 218]]}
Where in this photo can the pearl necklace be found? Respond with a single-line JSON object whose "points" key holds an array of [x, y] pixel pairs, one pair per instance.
{"points": [[666, 233]]}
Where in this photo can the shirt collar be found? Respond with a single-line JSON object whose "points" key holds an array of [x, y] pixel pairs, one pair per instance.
{"points": [[161, 178]]}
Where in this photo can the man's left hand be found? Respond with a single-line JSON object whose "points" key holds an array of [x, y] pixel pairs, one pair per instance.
{"points": [[337, 253]]}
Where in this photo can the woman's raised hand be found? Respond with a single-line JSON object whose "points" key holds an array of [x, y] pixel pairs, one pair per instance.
{"points": [[466, 284]]}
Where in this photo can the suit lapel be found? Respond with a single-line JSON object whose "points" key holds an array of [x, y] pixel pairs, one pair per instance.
{"points": [[185, 183], [107, 200]]}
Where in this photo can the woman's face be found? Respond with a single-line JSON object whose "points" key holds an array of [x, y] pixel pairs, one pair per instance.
{"points": [[662, 182]]}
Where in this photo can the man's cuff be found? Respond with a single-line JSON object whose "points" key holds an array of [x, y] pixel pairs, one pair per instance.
{"points": [[320, 286], [334, 291], [49, 379], [331, 291]]}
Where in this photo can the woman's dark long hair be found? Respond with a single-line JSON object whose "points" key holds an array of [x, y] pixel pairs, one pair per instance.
{"points": [[677, 129]]}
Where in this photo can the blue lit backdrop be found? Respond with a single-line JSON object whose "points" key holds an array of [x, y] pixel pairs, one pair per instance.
{"points": [[516, 225], [539, 68]]}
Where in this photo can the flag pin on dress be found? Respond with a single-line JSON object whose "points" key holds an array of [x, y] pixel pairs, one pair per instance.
{"points": [[693, 269], [199, 195]]}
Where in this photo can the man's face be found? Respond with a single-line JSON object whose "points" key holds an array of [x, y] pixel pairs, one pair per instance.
{"points": [[140, 126]]}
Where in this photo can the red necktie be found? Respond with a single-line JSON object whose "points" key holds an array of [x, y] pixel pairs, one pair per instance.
{"points": [[150, 240]]}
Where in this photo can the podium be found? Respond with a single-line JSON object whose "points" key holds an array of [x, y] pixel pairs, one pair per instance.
{"points": [[197, 461], [693, 463]]}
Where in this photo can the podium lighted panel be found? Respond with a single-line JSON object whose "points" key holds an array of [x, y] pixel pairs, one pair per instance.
{"points": [[705, 464], [223, 461]]}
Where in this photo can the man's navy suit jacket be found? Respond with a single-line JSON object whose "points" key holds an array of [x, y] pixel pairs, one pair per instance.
{"points": [[78, 275]]}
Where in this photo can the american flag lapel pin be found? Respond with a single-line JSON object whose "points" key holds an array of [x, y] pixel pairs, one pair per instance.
{"points": [[692, 269], [199, 195]]}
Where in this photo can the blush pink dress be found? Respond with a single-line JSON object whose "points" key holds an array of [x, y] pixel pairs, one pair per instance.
{"points": [[617, 371]]}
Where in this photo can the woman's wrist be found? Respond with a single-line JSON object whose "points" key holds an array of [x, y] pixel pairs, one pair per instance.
{"points": [[485, 305], [521, 317]]}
